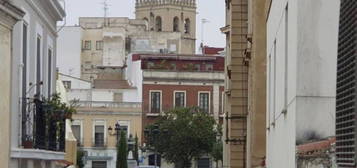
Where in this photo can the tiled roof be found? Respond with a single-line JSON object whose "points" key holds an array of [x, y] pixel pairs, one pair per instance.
{"points": [[316, 146]]}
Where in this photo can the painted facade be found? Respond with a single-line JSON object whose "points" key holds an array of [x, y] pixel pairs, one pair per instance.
{"points": [[33, 73], [171, 81], [9, 15], [302, 40]]}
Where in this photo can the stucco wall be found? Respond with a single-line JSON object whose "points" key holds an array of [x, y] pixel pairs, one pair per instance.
{"points": [[302, 36], [5, 69]]}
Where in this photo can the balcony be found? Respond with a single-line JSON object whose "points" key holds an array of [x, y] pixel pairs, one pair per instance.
{"points": [[43, 126], [107, 104]]}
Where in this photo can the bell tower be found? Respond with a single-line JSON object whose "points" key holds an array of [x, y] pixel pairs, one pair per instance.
{"points": [[171, 16]]}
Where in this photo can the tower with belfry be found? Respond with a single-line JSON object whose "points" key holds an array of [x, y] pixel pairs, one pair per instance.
{"points": [[171, 16]]}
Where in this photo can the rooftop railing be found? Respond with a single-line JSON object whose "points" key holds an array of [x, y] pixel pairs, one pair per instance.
{"points": [[108, 104]]}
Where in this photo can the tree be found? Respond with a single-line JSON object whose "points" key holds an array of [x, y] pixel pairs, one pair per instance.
{"points": [[217, 152], [190, 134], [122, 152], [136, 150], [80, 155]]}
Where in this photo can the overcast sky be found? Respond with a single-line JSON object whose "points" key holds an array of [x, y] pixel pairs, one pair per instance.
{"points": [[212, 10]]}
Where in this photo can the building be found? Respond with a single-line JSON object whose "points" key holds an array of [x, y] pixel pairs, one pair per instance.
{"points": [[236, 84], [99, 42], [171, 16], [33, 79], [346, 93], [101, 104], [245, 86], [167, 81], [302, 38], [9, 15]]}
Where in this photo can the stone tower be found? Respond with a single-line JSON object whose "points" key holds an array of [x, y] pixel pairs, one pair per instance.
{"points": [[171, 16]]}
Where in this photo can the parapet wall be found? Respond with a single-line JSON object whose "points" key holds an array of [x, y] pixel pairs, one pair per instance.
{"points": [[187, 3]]}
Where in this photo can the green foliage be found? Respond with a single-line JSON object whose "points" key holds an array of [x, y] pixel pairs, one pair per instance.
{"points": [[80, 155], [217, 152], [59, 110], [122, 152], [136, 149], [190, 134]]}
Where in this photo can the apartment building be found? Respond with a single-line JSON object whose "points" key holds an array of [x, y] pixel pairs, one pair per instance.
{"points": [[167, 81], [9, 15], [245, 84], [33, 79], [302, 40], [103, 103], [236, 85]]}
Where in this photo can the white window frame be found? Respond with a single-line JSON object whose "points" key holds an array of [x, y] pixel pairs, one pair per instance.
{"points": [[80, 123], [174, 97], [99, 122], [150, 91], [209, 100]]}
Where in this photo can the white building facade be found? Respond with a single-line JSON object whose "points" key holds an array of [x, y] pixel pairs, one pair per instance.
{"points": [[301, 72], [33, 77]]}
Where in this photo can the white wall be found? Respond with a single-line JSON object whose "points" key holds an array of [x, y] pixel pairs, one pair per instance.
{"points": [[134, 75], [305, 41], [76, 83], [41, 23], [69, 51]]}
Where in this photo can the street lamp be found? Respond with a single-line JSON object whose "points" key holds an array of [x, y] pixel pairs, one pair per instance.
{"points": [[117, 131], [154, 132]]}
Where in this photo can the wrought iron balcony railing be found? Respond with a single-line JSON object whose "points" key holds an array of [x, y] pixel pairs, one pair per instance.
{"points": [[42, 126]]}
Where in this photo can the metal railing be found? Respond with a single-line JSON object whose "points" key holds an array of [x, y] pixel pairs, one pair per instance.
{"points": [[42, 127], [107, 104]]}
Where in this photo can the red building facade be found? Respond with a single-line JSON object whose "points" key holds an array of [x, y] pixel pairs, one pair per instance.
{"points": [[171, 81]]}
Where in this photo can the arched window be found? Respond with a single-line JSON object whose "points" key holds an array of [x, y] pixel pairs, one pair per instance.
{"points": [[176, 24], [158, 25], [187, 26]]}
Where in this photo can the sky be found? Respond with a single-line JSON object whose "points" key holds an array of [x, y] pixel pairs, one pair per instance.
{"points": [[211, 10]]}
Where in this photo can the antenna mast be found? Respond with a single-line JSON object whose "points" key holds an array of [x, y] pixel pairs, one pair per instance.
{"points": [[105, 9]]}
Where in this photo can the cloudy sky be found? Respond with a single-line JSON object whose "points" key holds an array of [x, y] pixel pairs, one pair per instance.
{"points": [[212, 10]]}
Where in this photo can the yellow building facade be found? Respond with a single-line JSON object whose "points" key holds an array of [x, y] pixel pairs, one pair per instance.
{"points": [[245, 87]]}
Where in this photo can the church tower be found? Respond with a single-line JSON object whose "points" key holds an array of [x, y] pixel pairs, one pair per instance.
{"points": [[171, 16]]}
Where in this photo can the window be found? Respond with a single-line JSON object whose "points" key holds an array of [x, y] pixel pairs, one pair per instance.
{"points": [[176, 24], [209, 67], [24, 79], [197, 67], [38, 67], [158, 25], [67, 84], [49, 72], [99, 135], [76, 129], [87, 45], [203, 100], [187, 26], [155, 101], [99, 45], [99, 164], [180, 99]]}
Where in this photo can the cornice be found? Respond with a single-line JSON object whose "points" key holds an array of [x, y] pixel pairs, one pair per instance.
{"points": [[9, 14]]}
